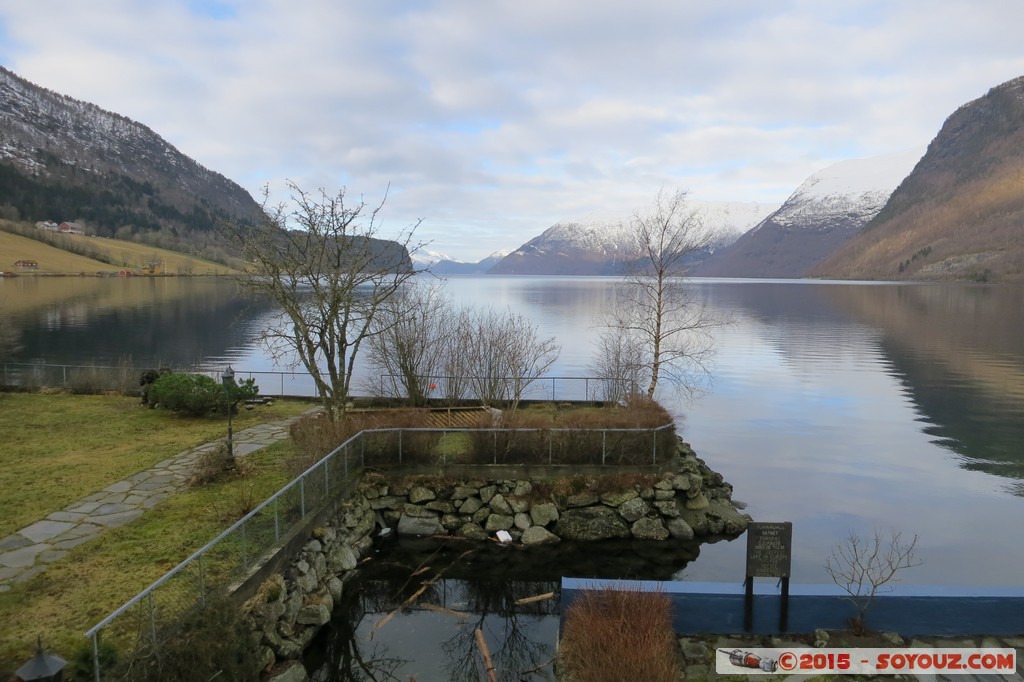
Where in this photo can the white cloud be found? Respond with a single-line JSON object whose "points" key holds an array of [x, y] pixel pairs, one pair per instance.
{"points": [[491, 121]]}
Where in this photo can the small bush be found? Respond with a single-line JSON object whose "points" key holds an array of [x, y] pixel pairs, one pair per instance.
{"points": [[212, 643], [194, 394], [197, 394], [612, 635], [213, 465], [82, 661]]}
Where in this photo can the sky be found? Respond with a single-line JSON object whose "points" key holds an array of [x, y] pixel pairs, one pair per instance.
{"points": [[491, 120]]}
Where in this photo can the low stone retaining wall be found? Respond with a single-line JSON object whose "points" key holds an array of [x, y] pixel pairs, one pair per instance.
{"points": [[688, 501], [290, 607], [534, 505]]}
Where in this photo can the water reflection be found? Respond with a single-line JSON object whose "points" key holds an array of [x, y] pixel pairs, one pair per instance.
{"points": [[168, 321], [958, 351], [415, 607]]}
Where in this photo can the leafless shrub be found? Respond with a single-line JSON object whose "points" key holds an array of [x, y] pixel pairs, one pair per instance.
{"points": [[612, 635], [863, 568]]}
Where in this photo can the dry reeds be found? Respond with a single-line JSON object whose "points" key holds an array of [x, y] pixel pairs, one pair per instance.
{"points": [[612, 635]]}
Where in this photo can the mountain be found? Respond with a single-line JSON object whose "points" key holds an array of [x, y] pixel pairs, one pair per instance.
{"points": [[825, 212], [423, 259], [602, 245], [454, 267], [66, 160], [960, 213]]}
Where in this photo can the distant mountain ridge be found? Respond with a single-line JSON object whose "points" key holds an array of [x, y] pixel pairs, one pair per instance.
{"points": [[602, 245], [826, 211], [960, 213], [63, 160]]}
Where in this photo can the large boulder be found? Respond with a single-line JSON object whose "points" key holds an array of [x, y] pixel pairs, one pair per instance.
{"points": [[544, 513], [733, 522], [536, 535], [414, 525], [591, 523], [634, 508], [680, 529], [649, 529]]}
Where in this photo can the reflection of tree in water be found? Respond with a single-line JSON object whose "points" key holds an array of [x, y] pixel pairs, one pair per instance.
{"points": [[507, 627], [414, 584], [337, 649]]}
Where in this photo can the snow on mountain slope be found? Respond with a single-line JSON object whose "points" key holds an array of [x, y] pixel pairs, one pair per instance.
{"points": [[854, 189], [599, 244], [824, 212]]}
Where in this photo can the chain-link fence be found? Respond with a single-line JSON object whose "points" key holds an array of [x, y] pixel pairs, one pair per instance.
{"points": [[150, 618], [125, 377]]}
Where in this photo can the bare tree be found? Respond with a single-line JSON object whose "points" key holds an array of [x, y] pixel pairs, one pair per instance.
{"points": [[655, 310], [414, 332], [321, 260], [504, 355], [618, 365], [863, 568]]}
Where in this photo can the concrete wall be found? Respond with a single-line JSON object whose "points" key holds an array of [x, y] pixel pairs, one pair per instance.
{"points": [[919, 610]]}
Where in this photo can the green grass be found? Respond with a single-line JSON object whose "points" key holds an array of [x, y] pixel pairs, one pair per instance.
{"points": [[59, 448], [98, 576]]}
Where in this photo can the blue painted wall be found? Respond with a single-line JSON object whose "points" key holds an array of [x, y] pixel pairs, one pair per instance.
{"points": [[920, 610]]}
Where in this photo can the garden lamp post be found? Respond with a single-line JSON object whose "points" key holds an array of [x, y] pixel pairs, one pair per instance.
{"points": [[42, 667], [228, 379]]}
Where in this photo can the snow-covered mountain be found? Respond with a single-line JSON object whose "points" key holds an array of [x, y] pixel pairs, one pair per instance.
{"points": [[453, 267], [826, 211], [426, 258], [601, 245], [959, 214]]}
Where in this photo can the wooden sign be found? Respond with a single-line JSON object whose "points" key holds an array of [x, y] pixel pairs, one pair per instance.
{"points": [[769, 549]]}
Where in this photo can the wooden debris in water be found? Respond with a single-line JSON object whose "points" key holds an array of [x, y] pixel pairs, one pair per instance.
{"points": [[536, 598]]}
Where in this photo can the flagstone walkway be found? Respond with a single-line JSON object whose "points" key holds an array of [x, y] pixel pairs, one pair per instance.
{"points": [[29, 551]]}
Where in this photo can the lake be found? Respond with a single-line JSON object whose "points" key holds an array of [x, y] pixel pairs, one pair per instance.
{"points": [[837, 406], [841, 407]]}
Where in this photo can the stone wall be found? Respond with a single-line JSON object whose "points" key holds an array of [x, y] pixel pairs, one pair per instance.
{"points": [[290, 608], [686, 501]]}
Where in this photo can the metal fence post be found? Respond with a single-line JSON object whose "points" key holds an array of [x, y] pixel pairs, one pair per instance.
{"points": [[202, 582], [245, 540], [302, 495], [152, 618], [654, 446], [96, 655], [327, 482], [277, 520], [400, 446], [604, 441]]}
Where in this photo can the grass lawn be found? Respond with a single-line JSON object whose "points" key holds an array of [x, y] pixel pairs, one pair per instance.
{"points": [[98, 576], [56, 449]]}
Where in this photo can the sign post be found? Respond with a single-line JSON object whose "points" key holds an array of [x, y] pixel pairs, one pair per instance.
{"points": [[769, 555]]}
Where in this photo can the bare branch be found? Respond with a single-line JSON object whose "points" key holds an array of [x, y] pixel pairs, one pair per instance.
{"points": [[864, 569], [667, 328], [318, 257]]}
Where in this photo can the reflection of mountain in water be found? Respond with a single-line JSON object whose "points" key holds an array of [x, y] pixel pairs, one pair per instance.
{"points": [[415, 607], [165, 321], [958, 350]]}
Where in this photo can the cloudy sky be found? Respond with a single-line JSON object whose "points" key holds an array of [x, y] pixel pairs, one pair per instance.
{"points": [[492, 119]]}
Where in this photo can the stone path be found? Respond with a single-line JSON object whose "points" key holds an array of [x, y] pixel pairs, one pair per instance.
{"points": [[30, 550]]}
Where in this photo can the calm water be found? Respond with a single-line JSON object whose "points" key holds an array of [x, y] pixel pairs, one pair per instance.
{"points": [[839, 407], [835, 406]]}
